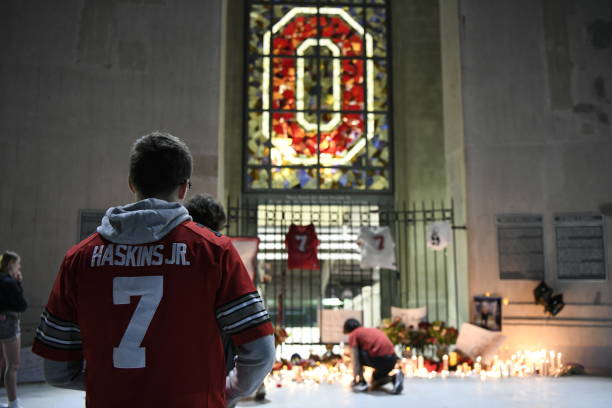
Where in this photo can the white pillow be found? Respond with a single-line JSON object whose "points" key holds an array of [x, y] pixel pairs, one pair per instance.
{"points": [[410, 317], [475, 341]]}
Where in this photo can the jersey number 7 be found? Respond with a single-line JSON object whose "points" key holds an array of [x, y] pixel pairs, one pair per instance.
{"points": [[129, 354], [381, 241], [302, 241]]}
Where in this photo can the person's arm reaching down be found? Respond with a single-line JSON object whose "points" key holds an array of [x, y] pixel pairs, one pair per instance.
{"points": [[356, 363], [254, 361], [242, 315], [58, 337]]}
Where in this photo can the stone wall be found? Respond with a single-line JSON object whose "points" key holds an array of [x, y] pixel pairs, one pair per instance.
{"points": [[538, 140], [81, 79]]}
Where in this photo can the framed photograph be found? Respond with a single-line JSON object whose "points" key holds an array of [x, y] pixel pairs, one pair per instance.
{"points": [[488, 312]]}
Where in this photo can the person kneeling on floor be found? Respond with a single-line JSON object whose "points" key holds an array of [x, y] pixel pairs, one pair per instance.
{"points": [[372, 348]]}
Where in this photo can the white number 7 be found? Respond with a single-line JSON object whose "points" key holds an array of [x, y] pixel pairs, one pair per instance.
{"points": [[302, 239], [129, 354]]}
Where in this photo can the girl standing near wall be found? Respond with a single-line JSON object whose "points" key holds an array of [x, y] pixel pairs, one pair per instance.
{"points": [[11, 304]]}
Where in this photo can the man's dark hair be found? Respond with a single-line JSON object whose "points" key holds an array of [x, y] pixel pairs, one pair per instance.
{"points": [[350, 325], [206, 210], [159, 162]]}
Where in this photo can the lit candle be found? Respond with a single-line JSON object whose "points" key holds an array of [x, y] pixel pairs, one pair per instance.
{"points": [[504, 368], [421, 363], [453, 358], [551, 358], [477, 365], [559, 363], [538, 366], [445, 362], [509, 366], [410, 370]]}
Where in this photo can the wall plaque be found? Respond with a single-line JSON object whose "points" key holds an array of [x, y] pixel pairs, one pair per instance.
{"points": [[580, 241], [520, 246]]}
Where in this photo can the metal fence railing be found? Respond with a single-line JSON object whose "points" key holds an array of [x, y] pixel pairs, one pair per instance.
{"points": [[295, 297]]}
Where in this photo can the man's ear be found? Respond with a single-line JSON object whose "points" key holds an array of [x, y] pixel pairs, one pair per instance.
{"points": [[182, 190]]}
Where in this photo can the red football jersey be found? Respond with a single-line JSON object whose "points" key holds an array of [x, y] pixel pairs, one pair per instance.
{"points": [[374, 341], [302, 242], [146, 318]]}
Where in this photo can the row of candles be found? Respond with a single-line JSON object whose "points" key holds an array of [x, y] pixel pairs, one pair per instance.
{"points": [[521, 364], [320, 374]]}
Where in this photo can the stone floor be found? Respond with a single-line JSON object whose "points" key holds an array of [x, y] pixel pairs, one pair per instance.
{"points": [[577, 391]]}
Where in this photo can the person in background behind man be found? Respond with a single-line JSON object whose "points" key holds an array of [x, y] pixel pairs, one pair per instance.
{"points": [[205, 210], [371, 347], [141, 300], [12, 303]]}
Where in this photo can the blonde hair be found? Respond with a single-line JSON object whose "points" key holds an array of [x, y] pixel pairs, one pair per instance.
{"points": [[6, 259]]}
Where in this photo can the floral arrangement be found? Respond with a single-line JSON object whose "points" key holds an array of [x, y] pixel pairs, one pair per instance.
{"points": [[436, 334], [395, 330], [432, 340]]}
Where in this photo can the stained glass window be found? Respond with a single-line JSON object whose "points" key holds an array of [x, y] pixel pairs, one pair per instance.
{"points": [[318, 102]]}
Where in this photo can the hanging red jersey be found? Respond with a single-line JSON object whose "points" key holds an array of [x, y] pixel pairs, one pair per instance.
{"points": [[302, 242]]}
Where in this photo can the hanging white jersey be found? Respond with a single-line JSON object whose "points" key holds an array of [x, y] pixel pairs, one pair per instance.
{"points": [[377, 248]]}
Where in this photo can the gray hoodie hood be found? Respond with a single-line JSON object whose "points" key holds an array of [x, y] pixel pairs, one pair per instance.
{"points": [[142, 222]]}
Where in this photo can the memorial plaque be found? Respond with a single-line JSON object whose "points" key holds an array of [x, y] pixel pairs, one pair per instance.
{"points": [[581, 249], [88, 222], [520, 244]]}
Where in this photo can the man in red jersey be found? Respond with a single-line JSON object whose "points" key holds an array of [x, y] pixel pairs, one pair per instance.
{"points": [[371, 347], [143, 299]]}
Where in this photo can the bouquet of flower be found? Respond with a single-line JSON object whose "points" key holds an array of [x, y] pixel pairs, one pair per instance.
{"points": [[438, 333], [440, 338], [395, 330], [432, 340], [419, 337]]}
